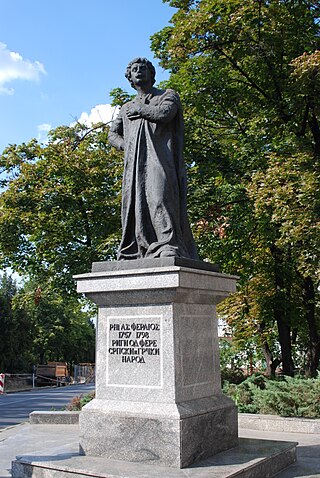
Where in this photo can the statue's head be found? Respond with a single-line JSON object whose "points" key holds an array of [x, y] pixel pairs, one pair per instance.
{"points": [[143, 61]]}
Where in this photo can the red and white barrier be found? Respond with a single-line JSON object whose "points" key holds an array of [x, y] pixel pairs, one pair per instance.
{"points": [[2, 375]]}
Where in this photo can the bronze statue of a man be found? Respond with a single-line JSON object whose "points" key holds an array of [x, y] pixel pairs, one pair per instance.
{"points": [[150, 131]]}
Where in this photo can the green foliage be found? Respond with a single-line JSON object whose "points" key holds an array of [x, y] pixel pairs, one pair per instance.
{"points": [[38, 324], [59, 212], [60, 209], [120, 97], [62, 328], [248, 76], [244, 393], [80, 401], [16, 330], [289, 397], [232, 361], [232, 375]]}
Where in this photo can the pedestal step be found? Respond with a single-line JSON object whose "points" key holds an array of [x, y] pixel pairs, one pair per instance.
{"points": [[251, 459]]}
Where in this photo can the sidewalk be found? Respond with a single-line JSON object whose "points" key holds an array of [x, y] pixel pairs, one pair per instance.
{"points": [[308, 451], [27, 439]]}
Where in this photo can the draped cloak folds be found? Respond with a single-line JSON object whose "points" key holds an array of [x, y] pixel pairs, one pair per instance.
{"points": [[154, 210]]}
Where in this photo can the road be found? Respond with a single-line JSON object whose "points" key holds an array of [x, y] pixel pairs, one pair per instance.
{"points": [[16, 407]]}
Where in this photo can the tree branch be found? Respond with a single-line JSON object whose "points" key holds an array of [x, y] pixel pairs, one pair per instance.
{"points": [[237, 67]]}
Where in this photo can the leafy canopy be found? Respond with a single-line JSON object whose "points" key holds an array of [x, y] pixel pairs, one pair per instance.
{"points": [[59, 210], [248, 76]]}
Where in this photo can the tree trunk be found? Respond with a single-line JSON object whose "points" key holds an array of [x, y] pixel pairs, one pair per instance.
{"points": [[41, 357], [313, 353], [280, 315], [285, 343], [271, 364]]}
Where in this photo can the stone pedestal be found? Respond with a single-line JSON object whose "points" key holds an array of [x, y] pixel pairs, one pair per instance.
{"points": [[158, 392]]}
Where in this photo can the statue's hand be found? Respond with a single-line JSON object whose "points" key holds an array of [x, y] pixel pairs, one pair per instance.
{"points": [[134, 110]]}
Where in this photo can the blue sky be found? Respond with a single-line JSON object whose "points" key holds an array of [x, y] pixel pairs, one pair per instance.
{"points": [[60, 58]]}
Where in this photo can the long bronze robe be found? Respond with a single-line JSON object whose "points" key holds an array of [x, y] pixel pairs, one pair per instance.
{"points": [[154, 211]]}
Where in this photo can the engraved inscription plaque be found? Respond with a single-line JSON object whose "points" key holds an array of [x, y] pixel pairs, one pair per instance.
{"points": [[134, 356]]}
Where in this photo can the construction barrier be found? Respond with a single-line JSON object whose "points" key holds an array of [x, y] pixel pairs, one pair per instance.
{"points": [[2, 375], [17, 382]]}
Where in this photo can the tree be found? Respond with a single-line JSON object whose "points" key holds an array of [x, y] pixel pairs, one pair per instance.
{"points": [[15, 329], [248, 75], [59, 210], [62, 325], [38, 324], [287, 196]]}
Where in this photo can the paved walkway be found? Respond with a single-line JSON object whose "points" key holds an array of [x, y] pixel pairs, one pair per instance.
{"points": [[308, 451], [27, 439]]}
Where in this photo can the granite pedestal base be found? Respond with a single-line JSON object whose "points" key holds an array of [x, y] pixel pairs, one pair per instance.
{"points": [[168, 438], [158, 396], [250, 459]]}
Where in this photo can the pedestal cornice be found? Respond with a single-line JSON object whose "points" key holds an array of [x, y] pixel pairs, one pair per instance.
{"points": [[174, 283]]}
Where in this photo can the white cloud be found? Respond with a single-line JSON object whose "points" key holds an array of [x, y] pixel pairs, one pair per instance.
{"points": [[100, 113], [104, 113], [43, 130], [14, 67]]}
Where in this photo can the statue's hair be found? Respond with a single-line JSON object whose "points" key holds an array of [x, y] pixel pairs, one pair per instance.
{"points": [[149, 66]]}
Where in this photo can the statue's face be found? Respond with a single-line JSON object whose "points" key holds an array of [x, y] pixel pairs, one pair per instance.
{"points": [[140, 74]]}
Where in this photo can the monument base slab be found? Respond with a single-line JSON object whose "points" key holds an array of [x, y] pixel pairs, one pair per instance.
{"points": [[251, 459], [176, 435]]}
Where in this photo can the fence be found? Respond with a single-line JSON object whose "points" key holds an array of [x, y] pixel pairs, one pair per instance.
{"points": [[84, 373], [14, 382]]}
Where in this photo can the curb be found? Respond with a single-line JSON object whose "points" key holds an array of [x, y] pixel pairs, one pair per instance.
{"points": [[274, 423], [54, 418], [29, 389]]}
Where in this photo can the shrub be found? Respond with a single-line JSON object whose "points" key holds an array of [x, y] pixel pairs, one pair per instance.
{"points": [[80, 401], [244, 393], [291, 397], [288, 397], [232, 375]]}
